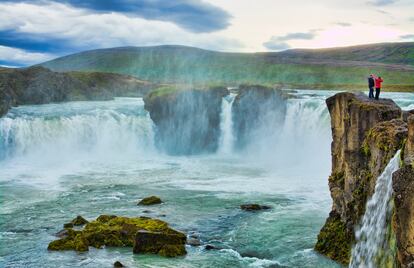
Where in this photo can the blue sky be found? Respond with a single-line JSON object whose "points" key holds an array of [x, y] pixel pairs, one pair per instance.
{"points": [[32, 31]]}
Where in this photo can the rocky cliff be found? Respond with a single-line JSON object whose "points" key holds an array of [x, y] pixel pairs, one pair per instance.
{"points": [[403, 218], [253, 107], [187, 121], [366, 134], [38, 85]]}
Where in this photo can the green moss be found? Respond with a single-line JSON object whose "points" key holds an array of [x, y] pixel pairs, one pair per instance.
{"points": [[79, 220], [151, 200], [172, 250], [338, 179], [113, 231], [334, 240]]}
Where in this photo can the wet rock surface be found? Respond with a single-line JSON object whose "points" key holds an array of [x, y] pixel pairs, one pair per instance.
{"points": [[150, 200], [254, 207], [146, 235], [366, 134]]}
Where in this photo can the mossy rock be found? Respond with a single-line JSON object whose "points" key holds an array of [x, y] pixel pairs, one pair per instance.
{"points": [[114, 231], [334, 240], [151, 200], [79, 220], [118, 264], [253, 207], [164, 244]]}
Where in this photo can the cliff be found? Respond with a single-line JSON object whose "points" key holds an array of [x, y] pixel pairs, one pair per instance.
{"points": [[403, 218], [366, 134], [187, 120], [38, 85], [253, 105]]}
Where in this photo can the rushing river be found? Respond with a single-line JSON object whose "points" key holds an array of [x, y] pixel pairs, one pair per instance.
{"points": [[90, 158]]}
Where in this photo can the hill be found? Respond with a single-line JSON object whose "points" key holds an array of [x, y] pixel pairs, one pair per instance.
{"points": [[39, 85], [320, 68]]}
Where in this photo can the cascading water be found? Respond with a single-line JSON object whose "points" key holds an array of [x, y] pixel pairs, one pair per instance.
{"points": [[371, 237], [226, 125], [56, 131]]}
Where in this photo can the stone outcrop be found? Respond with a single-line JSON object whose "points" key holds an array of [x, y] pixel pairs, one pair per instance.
{"points": [[255, 104], [38, 85], [403, 218], [115, 231], [187, 120], [366, 134], [150, 200]]}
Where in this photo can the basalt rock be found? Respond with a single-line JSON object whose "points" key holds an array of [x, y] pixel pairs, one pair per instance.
{"points": [[365, 138], [114, 231], [39, 85], [403, 217], [255, 104], [187, 120]]}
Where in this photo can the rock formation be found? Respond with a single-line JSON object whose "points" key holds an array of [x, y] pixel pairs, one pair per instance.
{"points": [[146, 235], [403, 186], [38, 85], [366, 134], [254, 105], [187, 120]]}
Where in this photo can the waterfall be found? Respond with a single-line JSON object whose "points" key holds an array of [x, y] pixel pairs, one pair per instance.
{"points": [[67, 130], [226, 125], [371, 235]]}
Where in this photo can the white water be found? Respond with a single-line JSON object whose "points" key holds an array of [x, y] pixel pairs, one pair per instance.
{"points": [[371, 236], [226, 125]]}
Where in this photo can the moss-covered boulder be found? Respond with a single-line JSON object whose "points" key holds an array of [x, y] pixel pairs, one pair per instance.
{"points": [[150, 200], [254, 207], [164, 244], [79, 220], [115, 231]]}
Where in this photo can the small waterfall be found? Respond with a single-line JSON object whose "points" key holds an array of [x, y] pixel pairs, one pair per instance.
{"points": [[371, 235], [226, 124]]}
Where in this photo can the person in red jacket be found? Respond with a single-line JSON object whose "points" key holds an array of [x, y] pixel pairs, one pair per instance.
{"points": [[378, 81]]}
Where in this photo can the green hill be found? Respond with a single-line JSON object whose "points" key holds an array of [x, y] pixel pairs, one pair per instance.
{"points": [[321, 68]]}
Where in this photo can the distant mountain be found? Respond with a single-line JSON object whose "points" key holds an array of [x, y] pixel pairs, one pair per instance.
{"points": [[326, 68]]}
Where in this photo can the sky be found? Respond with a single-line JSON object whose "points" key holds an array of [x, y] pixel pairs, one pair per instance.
{"points": [[33, 31]]}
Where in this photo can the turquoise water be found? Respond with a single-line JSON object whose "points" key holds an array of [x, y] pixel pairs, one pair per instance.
{"points": [[92, 158]]}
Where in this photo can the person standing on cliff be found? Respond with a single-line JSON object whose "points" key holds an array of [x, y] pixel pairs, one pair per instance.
{"points": [[378, 81], [371, 84]]}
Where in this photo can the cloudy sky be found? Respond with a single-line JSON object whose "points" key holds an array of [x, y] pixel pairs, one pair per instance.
{"points": [[33, 31]]}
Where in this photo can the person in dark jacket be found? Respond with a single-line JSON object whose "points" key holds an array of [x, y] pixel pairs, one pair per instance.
{"points": [[371, 84]]}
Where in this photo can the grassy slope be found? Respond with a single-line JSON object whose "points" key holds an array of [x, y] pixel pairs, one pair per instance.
{"points": [[326, 68]]}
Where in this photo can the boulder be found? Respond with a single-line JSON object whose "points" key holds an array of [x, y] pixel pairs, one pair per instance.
{"points": [[79, 220], [365, 138], [162, 243], [151, 200], [118, 264], [115, 231], [253, 207]]}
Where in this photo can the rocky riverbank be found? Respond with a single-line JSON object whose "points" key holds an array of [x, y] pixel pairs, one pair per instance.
{"points": [[366, 134], [39, 85]]}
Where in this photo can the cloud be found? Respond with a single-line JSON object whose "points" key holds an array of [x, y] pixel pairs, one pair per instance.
{"points": [[407, 37], [17, 57], [381, 2], [192, 15], [276, 45], [343, 24], [280, 42], [62, 29]]}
